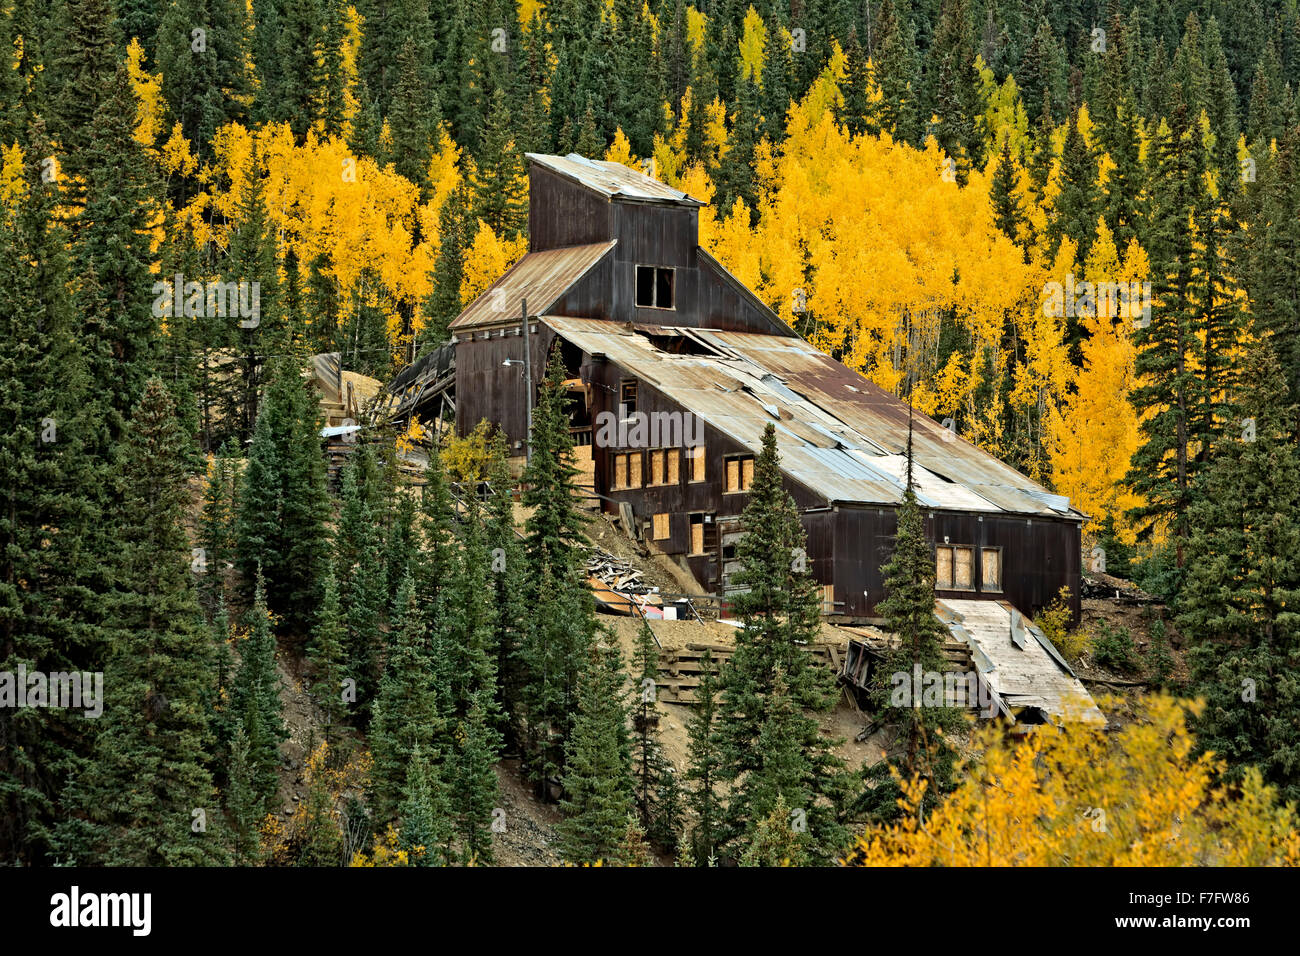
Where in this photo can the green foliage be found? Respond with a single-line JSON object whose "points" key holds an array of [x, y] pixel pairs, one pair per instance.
{"points": [[768, 745], [598, 781], [1113, 648], [255, 701]]}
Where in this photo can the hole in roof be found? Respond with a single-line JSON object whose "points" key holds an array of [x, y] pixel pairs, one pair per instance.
{"points": [[674, 343]]}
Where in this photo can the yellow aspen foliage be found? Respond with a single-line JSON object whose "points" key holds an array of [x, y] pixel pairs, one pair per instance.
{"points": [[147, 88], [1004, 118], [1078, 796], [697, 25], [177, 157], [486, 259], [620, 151], [352, 25], [527, 9], [1097, 432], [13, 186], [753, 43]]}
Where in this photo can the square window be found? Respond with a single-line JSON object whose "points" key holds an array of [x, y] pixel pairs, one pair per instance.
{"points": [[954, 568], [654, 287], [739, 474]]}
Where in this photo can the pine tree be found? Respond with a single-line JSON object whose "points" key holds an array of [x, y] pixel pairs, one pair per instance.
{"points": [[455, 226], [474, 791], [243, 804], [781, 611], [283, 504], [499, 186], [326, 653], [908, 610], [562, 625], [406, 714], [775, 841], [255, 699], [425, 814], [704, 773], [147, 774], [413, 119], [1243, 582], [216, 531], [657, 803], [1162, 471], [598, 779], [111, 258], [54, 544]]}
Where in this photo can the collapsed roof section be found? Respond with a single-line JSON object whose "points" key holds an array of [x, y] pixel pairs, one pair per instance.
{"points": [[1025, 676], [840, 436]]}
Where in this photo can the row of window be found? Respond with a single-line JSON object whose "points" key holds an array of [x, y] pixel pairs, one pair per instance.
{"points": [[629, 469], [955, 568]]}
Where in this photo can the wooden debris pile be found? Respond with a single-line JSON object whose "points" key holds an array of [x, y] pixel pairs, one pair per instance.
{"points": [[619, 587]]}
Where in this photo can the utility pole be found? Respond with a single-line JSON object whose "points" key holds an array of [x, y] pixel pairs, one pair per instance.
{"points": [[528, 384]]}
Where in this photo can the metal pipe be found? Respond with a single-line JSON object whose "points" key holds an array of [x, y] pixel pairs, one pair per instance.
{"points": [[528, 384]]}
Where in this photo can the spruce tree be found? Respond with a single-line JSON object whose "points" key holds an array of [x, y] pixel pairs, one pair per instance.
{"points": [[283, 503], [406, 714], [562, 625], [1238, 603], [704, 774], [54, 545], [780, 608], [147, 774], [598, 779], [255, 701], [425, 814], [243, 804], [329, 667], [657, 802]]}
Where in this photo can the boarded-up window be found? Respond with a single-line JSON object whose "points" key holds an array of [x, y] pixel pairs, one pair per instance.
{"points": [[943, 568], [697, 463], [656, 468], [674, 459], [828, 599], [963, 568], [991, 569], [697, 534], [739, 474], [661, 526], [627, 470], [954, 568]]}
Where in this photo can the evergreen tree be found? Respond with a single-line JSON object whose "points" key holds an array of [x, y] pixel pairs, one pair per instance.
{"points": [[283, 504], [255, 701], [781, 611], [474, 791], [499, 187], [54, 545], [598, 779], [562, 625], [326, 653], [243, 804], [147, 773], [704, 772], [406, 715], [425, 814], [657, 803], [1243, 582]]}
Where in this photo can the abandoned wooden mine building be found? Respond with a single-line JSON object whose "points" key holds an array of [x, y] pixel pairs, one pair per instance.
{"points": [[651, 327]]}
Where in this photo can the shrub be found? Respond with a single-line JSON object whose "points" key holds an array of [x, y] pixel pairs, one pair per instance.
{"points": [[1113, 648]]}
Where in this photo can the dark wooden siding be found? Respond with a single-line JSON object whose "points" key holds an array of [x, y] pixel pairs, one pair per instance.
{"points": [[1039, 556], [562, 213], [487, 389]]}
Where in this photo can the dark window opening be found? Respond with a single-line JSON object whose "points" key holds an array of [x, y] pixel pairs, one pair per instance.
{"points": [[654, 287], [626, 398]]}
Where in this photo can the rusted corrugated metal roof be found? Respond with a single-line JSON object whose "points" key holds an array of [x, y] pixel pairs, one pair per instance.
{"points": [[840, 436], [1017, 661], [611, 179], [539, 277]]}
